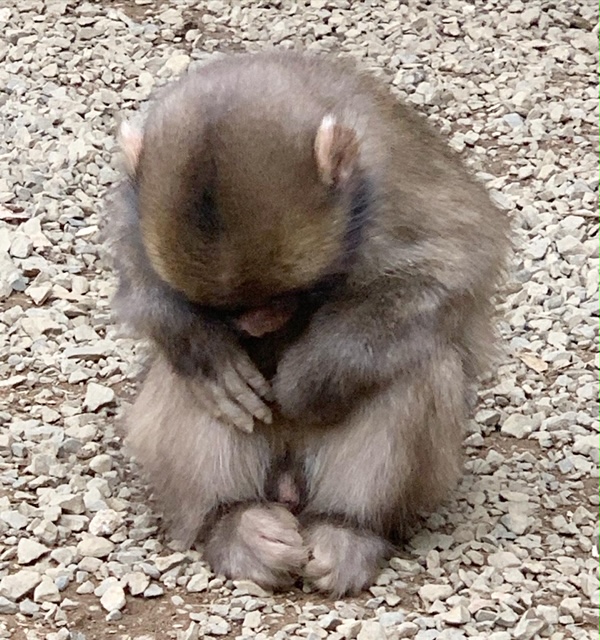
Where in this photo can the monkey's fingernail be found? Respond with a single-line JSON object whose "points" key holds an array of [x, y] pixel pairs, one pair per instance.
{"points": [[262, 413]]}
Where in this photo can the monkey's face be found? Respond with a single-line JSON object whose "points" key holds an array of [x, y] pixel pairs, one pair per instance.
{"points": [[245, 220]]}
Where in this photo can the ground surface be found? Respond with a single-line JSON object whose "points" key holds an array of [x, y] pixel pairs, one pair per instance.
{"points": [[514, 553]]}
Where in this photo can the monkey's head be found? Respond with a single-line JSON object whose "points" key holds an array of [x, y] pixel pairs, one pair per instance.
{"points": [[245, 203]]}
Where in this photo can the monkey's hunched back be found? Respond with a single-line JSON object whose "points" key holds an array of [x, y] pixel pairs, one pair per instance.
{"points": [[314, 266]]}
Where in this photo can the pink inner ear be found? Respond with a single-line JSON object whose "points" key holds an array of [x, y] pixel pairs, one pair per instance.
{"points": [[130, 140], [336, 151]]}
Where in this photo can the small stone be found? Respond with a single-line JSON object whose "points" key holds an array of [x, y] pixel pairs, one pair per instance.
{"points": [[349, 629], [548, 612], [7, 607], [69, 503], [49, 70], [198, 582], [391, 618], [514, 120], [517, 426], [191, 633], [588, 41], [95, 547], [371, 630], [487, 417], [17, 585], [39, 294], [217, 626], [572, 607], [101, 463], [14, 519], [406, 630], [85, 588], [431, 592], [585, 444], [29, 608], [97, 396], [113, 599], [248, 588], [528, 626], [46, 591], [21, 246], [105, 522], [62, 582], [569, 245], [503, 560], [177, 64], [330, 622], [29, 550], [165, 563], [153, 591], [137, 582], [516, 520], [457, 615], [252, 620]]}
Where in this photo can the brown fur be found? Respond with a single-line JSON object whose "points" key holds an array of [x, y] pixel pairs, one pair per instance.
{"points": [[357, 411]]}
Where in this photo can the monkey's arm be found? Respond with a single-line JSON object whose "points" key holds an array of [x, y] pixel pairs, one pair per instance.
{"points": [[355, 346], [203, 352]]}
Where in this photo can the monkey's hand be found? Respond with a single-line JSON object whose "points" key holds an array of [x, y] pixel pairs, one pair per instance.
{"points": [[205, 355], [234, 391], [352, 348]]}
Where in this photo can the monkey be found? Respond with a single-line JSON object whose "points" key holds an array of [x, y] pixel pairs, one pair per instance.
{"points": [[315, 272]]}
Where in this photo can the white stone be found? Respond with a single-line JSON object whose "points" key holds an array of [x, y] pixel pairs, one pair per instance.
{"points": [[17, 585], [517, 426], [46, 591], [95, 547], [105, 522], [29, 550], [113, 599], [432, 592], [97, 396]]}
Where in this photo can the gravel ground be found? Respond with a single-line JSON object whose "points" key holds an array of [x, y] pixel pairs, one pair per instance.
{"points": [[514, 553]]}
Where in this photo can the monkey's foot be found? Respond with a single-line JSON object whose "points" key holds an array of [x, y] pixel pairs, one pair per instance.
{"points": [[342, 561], [258, 543]]}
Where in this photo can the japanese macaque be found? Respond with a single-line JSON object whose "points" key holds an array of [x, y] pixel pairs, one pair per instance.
{"points": [[315, 271]]}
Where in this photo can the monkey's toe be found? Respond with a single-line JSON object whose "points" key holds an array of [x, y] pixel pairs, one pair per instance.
{"points": [[343, 561], [258, 543]]}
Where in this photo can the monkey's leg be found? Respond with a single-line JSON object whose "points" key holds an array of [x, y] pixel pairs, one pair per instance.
{"points": [[397, 454], [210, 478]]}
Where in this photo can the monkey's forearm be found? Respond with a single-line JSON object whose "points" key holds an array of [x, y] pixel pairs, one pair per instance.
{"points": [[159, 315], [203, 353], [353, 348]]}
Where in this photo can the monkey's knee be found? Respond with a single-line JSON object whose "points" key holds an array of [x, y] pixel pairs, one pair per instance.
{"points": [[343, 561], [257, 542]]}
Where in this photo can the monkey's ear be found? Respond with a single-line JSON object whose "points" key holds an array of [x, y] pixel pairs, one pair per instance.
{"points": [[130, 140], [336, 151]]}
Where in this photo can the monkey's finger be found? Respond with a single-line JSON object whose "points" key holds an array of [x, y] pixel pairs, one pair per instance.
{"points": [[253, 377], [232, 411], [215, 400], [246, 397]]}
